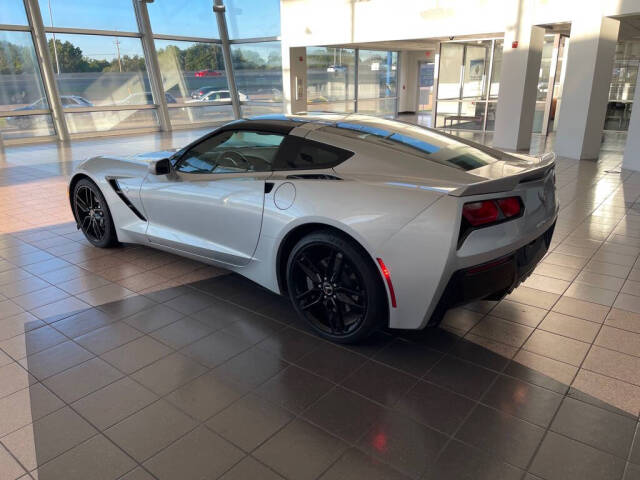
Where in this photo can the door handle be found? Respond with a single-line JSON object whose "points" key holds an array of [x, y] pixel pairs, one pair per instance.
{"points": [[268, 186]]}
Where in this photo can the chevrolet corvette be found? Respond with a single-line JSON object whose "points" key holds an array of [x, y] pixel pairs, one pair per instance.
{"points": [[362, 222]]}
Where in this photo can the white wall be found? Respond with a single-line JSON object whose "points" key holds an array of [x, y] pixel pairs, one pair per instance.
{"points": [[330, 22], [408, 79]]}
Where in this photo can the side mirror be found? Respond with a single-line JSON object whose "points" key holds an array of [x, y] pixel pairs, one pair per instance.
{"points": [[160, 167]]}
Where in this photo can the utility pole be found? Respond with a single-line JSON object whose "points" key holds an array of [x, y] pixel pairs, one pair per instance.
{"points": [[117, 42], [55, 47]]}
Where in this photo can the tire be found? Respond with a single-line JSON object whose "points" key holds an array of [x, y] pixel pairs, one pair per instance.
{"points": [[336, 288], [92, 214]]}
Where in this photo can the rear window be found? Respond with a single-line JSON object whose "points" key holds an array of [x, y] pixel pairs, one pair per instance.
{"points": [[416, 141], [299, 154]]}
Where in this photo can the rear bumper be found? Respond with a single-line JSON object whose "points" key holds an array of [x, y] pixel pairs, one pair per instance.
{"points": [[492, 280]]}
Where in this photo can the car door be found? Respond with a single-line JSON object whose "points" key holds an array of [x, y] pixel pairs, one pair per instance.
{"points": [[211, 204]]}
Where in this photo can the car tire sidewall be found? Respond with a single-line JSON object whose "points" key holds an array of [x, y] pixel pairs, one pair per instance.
{"points": [[377, 309], [110, 238]]}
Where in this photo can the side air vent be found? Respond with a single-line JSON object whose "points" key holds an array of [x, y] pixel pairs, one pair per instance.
{"points": [[313, 176], [116, 187]]}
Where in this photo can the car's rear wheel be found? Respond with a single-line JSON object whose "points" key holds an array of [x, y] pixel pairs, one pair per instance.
{"points": [[335, 287], [92, 214]]}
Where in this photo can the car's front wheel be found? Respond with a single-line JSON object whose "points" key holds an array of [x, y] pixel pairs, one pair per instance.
{"points": [[335, 287], [92, 214]]}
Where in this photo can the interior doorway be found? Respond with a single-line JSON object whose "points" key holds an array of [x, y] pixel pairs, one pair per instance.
{"points": [[425, 86]]}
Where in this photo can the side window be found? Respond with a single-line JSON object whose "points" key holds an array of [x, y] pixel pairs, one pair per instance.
{"points": [[232, 151], [301, 154]]}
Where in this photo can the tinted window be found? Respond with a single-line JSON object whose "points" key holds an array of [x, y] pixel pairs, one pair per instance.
{"points": [[418, 141], [232, 152], [300, 154]]}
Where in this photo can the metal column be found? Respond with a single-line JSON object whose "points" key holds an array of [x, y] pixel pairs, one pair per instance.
{"points": [[356, 80], [488, 86], [434, 90], [544, 130], [219, 9], [48, 78], [151, 61]]}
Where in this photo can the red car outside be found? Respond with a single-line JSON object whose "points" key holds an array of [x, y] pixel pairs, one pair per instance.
{"points": [[208, 73]]}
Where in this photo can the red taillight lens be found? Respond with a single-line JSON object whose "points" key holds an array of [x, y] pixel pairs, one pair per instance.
{"points": [[488, 211], [510, 206], [480, 213]]}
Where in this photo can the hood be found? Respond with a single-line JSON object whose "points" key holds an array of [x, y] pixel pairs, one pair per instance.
{"points": [[147, 157]]}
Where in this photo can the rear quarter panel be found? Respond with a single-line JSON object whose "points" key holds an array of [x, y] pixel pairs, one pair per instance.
{"points": [[368, 212]]}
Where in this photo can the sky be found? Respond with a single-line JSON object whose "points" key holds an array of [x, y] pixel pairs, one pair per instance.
{"points": [[245, 19]]}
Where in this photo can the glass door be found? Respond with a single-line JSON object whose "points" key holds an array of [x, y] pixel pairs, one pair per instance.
{"points": [[425, 91], [377, 91], [545, 83], [463, 84]]}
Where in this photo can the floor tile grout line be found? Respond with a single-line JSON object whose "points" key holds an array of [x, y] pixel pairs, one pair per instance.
{"points": [[568, 391], [16, 459], [634, 441]]}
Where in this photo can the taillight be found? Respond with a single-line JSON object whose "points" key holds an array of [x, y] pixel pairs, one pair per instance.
{"points": [[488, 212], [510, 206], [491, 211], [480, 213]]}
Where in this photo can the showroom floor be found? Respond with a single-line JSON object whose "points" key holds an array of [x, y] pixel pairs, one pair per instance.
{"points": [[134, 364]]}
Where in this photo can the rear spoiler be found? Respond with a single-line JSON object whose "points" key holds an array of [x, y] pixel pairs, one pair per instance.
{"points": [[544, 167]]}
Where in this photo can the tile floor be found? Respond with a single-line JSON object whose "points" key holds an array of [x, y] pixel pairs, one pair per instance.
{"points": [[136, 364]]}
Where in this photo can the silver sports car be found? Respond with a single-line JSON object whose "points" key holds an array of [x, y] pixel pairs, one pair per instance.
{"points": [[363, 222]]}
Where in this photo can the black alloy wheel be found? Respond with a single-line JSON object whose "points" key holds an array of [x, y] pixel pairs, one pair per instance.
{"points": [[92, 214], [335, 287]]}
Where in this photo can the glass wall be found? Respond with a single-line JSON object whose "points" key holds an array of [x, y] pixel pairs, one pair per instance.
{"points": [[332, 74], [89, 14], [24, 108], [192, 64], [425, 86], [191, 18], [258, 72], [463, 85], [547, 62], [194, 82], [104, 78], [623, 83], [99, 65], [377, 82], [192, 72], [253, 18], [469, 84], [331, 77]]}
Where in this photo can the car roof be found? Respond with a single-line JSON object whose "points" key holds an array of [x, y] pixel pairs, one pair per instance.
{"points": [[331, 119], [410, 138], [351, 121]]}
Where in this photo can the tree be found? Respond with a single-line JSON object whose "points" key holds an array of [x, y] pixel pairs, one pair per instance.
{"points": [[16, 59], [69, 56], [129, 64], [203, 57], [247, 59], [274, 61]]}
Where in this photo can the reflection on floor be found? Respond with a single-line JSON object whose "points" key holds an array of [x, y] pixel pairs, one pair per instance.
{"points": [[136, 364]]}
